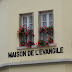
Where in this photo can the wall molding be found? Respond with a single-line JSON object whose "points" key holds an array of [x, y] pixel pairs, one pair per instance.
{"points": [[37, 62]]}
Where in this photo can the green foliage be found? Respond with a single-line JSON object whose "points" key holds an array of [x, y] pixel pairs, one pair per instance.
{"points": [[50, 40], [23, 43], [41, 30], [50, 30], [30, 43], [21, 32], [30, 32], [41, 43]]}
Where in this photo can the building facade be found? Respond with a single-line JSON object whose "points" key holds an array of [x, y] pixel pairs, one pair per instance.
{"points": [[35, 36]]}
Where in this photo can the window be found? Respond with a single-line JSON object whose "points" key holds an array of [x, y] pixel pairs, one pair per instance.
{"points": [[46, 30], [46, 27], [26, 35]]}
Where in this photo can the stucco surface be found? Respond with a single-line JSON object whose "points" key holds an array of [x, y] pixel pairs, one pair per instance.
{"points": [[9, 24]]}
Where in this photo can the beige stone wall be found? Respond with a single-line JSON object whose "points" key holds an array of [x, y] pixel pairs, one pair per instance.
{"points": [[3, 31], [68, 68], [36, 68], [17, 7], [67, 27], [4, 69], [39, 68], [9, 24]]}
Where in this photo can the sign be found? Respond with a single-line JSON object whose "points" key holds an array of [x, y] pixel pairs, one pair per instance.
{"points": [[35, 52]]}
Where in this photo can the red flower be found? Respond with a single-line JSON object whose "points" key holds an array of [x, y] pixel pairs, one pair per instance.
{"points": [[26, 45], [20, 29], [47, 45], [47, 38], [28, 30], [17, 30], [20, 25], [33, 35], [45, 26], [25, 37], [38, 42], [23, 33], [50, 35], [51, 41], [40, 46], [40, 26], [50, 29], [40, 30], [23, 25], [30, 46], [33, 44], [44, 29], [26, 33], [20, 44], [28, 27]]}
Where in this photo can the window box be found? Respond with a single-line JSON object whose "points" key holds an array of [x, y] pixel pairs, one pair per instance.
{"points": [[35, 46]]}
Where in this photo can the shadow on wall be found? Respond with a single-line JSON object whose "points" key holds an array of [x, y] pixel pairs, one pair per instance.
{"points": [[1, 1]]}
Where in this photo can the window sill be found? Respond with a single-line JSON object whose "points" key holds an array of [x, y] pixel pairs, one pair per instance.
{"points": [[34, 46]]}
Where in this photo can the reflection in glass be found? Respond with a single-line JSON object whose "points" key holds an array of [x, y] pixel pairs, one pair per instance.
{"points": [[50, 17], [30, 19], [30, 26], [44, 24], [24, 20], [51, 23], [44, 17]]}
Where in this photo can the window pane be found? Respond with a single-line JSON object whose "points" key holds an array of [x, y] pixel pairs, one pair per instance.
{"points": [[41, 36], [30, 19], [44, 17], [25, 27], [30, 26], [51, 23], [45, 37], [24, 20], [44, 24], [50, 17]]}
